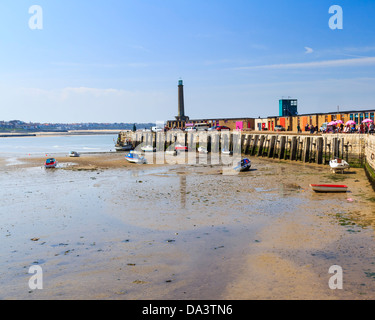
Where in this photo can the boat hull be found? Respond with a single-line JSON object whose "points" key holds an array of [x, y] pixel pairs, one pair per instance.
{"points": [[148, 149], [50, 163], [74, 154], [243, 165], [338, 165], [171, 152], [124, 148], [328, 188], [134, 158], [47, 166], [202, 150]]}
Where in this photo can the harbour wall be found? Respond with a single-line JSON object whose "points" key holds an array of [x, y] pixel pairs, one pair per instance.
{"points": [[370, 159], [357, 149]]}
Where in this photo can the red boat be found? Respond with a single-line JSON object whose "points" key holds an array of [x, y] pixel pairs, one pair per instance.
{"points": [[329, 188], [50, 163], [181, 148]]}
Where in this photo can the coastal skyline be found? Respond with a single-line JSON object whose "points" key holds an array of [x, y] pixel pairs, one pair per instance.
{"points": [[120, 61]]}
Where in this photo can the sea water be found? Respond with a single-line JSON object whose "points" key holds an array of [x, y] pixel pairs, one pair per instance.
{"points": [[63, 144]]}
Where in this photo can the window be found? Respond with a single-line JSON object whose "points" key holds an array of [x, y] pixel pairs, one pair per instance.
{"points": [[351, 116], [361, 117]]}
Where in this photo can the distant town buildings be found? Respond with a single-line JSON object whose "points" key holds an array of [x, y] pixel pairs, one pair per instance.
{"points": [[20, 126]]}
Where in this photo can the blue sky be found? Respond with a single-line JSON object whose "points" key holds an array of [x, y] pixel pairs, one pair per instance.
{"points": [[120, 61]]}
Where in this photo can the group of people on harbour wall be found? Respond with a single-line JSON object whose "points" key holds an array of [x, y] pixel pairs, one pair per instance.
{"points": [[340, 127]]}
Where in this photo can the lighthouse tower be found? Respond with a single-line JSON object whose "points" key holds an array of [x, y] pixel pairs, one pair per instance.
{"points": [[181, 108]]}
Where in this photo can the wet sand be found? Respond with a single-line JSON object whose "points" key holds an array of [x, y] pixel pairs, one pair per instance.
{"points": [[102, 228], [86, 161]]}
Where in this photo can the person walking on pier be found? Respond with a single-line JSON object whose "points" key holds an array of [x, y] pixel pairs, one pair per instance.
{"points": [[371, 128]]}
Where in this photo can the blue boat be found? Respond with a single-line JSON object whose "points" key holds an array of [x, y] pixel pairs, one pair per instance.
{"points": [[50, 163], [135, 158], [243, 165]]}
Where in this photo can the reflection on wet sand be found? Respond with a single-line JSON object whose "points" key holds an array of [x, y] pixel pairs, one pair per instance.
{"points": [[183, 191]]}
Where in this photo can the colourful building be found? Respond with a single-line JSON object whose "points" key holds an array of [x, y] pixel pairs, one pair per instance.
{"points": [[291, 123]]}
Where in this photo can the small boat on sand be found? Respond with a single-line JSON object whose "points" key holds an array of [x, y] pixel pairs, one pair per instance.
{"points": [[329, 188], [134, 158], [50, 163], [202, 150], [180, 147], [338, 165], [124, 146], [243, 165], [171, 152], [73, 154], [148, 148]]}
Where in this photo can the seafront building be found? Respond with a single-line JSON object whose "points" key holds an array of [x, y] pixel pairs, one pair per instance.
{"points": [[317, 119], [288, 118]]}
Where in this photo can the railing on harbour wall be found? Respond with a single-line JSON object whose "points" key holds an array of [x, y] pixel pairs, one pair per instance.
{"points": [[357, 149]]}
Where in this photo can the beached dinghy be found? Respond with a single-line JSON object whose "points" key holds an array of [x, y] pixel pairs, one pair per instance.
{"points": [[202, 150], [338, 165], [180, 147], [148, 148], [73, 154], [171, 152], [124, 146], [50, 163], [226, 151], [328, 188], [243, 165], [135, 158]]}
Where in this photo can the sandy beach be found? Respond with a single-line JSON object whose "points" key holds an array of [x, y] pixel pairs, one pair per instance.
{"points": [[102, 228]]}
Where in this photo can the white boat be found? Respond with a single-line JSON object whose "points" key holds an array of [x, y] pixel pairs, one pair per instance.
{"points": [[50, 163], [148, 148], [243, 165], [73, 154], [328, 188], [202, 150], [226, 151], [135, 158], [171, 152], [338, 165]]}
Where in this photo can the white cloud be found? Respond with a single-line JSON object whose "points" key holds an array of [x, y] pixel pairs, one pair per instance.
{"points": [[356, 62], [308, 50]]}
